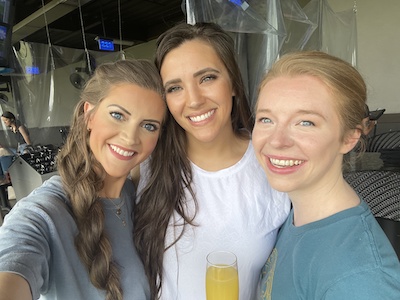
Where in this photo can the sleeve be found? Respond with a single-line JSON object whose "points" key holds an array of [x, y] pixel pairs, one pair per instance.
{"points": [[367, 285], [25, 244]]}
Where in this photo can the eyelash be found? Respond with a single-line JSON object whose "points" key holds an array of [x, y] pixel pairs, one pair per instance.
{"points": [[153, 129], [173, 89], [309, 123], [263, 120], [114, 115], [208, 77]]}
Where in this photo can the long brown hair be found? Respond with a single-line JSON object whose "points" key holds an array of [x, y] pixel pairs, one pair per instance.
{"points": [[170, 170], [83, 176]]}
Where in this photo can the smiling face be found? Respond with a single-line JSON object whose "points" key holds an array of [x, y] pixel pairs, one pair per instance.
{"points": [[298, 134], [125, 127], [198, 91]]}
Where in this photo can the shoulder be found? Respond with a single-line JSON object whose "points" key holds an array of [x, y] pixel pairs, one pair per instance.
{"points": [[47, 197], [354, 253], [43, 212], [373, 283]]}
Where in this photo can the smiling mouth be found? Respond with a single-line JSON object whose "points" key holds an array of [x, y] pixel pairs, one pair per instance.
{"points": [[202, 117], [122, 152], [283, 163]]}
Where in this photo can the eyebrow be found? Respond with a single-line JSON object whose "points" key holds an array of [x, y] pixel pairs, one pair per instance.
{"points": [[300, 112], [264, 110], [151, 120], [120, 107], [206, 70], [196, 74]]}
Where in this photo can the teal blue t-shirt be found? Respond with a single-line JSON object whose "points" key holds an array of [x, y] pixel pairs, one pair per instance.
{"points": [[344, 256]]}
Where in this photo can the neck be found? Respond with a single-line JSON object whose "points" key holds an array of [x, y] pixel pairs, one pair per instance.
{"points": [[112, 188], [218, 154], [310, 206]]}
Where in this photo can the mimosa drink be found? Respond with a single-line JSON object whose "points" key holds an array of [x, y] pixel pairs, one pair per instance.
{"points": [[222, 283]]}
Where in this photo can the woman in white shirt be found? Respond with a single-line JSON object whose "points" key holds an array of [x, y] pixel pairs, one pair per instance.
{"points": [[203, 190]]}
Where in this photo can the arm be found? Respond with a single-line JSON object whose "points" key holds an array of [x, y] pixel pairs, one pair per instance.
{"points": [[25, 134], [14, 287], [25, 253]]}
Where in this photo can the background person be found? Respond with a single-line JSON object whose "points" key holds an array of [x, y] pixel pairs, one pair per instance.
{"points": [[72, 238], [309, 114], [205, 190], [6, 157], [4, 151], [21, 133]]}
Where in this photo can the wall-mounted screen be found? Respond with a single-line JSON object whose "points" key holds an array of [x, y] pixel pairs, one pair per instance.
{"points": [[7, 10]]}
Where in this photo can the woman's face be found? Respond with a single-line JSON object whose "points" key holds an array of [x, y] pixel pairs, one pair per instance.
{"points": [[6, 121], [198, 91], [298, 135], [125, 127]]}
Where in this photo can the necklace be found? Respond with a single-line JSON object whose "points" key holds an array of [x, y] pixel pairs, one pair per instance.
{"points": [[119, 212]]}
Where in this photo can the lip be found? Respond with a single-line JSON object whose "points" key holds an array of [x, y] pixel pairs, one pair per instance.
{"points": [[121, 152], [201, 118], [283, 165]]}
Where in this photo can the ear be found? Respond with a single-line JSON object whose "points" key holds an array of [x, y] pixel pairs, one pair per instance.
{"points": [[87, 107], [351, 139]]}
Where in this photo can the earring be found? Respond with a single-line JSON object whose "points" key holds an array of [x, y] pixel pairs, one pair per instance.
{"points": [[89, 130]]}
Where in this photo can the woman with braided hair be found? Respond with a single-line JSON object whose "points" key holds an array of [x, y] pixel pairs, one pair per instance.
{"points": [[72, 238]]}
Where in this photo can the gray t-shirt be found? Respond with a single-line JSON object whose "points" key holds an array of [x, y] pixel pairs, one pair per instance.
{"points": [[37, 242]]}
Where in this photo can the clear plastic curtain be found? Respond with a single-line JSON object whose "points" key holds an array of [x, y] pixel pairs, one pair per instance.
{"points": [[337, 31], [265, 29], [45, 89]]}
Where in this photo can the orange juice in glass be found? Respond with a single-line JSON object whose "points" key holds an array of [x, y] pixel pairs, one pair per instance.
{"points": [[222, 282]]}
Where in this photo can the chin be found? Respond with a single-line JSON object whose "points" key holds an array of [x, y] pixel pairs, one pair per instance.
{"points": [[280, 185]]}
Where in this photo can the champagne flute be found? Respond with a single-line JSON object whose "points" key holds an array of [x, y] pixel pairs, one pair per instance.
{"points": [[222, 281]]}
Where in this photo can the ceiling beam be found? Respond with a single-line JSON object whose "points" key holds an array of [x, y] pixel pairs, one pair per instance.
{"points": [[54, 10]]}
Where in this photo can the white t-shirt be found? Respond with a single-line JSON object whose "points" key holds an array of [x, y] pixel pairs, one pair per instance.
{"points": [[237, 211]]}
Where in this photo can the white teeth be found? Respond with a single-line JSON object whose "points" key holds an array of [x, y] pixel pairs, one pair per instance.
{"points": [[202, 117], [285, 163], [122, 152]]}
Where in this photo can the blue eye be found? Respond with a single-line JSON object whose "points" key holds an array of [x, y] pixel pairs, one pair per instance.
{"points": [[306, 123], [150, 127], [173, 89], [208, 78], [265, 120], [116, 115]]}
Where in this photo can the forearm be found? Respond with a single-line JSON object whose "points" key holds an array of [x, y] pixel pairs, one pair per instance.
{"points": [[14, 287]]}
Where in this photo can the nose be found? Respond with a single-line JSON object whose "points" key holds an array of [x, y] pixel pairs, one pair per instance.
{"points": [[280, 137], [131, 135], [194, 96]]}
